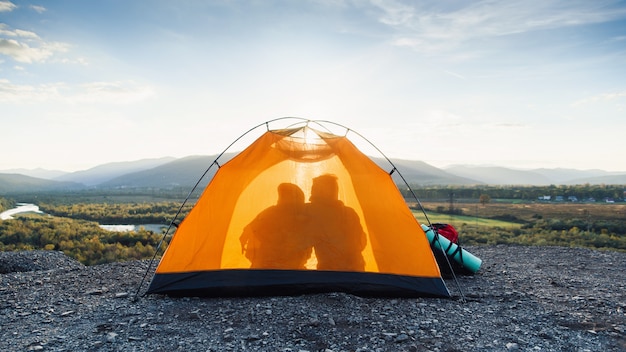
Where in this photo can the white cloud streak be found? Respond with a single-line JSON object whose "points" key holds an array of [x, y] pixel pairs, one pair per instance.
{"points": [[605, 97], [113, 93], [7, 6], [38, 9], [5, 31], [22, 52], [433, 30], [26, 46], [15, 93]]}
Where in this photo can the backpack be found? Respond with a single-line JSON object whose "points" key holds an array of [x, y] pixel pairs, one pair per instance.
{"points": [[447, 266], [448, 231]]}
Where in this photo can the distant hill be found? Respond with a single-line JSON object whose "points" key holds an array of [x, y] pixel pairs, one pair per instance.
{"points": [[105, 172], [572, 176], [619, 179], [562, 175], [167, 173], [419, 172], [38, 173], [495, 175], [17, 183], [183, 172]]}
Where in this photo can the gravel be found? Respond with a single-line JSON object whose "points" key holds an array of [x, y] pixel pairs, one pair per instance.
{"points": [[36, 260], [522, 299]]}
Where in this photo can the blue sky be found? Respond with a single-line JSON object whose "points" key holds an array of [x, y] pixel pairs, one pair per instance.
{"points": [[523, 84]]}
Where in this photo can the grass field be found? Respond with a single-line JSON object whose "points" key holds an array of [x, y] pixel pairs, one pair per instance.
{"points": [[594, 225], [531, 211], [460, 220]]}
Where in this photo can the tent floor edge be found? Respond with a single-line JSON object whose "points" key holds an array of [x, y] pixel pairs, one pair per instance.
{"points": [[255, 282]]}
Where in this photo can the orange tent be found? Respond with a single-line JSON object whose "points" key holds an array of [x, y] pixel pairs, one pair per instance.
{"points": [[299, 210]]}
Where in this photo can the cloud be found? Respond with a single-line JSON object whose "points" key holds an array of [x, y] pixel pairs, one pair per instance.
{"points": [[618, 39], [510, 125], [26, 46], [119, 92], [6, 32], [7, 6], [115, 93], [21, 52], [38, 9], [15, 93], [454, 74], [433, 29], [605, 97]]}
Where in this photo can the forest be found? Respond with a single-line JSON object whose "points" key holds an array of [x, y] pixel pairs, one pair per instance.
{"points": [[483, 216], [592, 225], [585, 192], [82, 240]]}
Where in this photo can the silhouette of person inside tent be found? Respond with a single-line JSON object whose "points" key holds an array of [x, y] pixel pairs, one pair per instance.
{"points": [[337, 235], [276, 239]]}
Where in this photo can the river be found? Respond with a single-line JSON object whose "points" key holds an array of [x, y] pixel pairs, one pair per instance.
{"points": [[32, 208], [20, 208], [156, 228]]}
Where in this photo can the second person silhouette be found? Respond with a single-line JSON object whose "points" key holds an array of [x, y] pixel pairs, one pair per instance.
{"points": [[335, 229]]}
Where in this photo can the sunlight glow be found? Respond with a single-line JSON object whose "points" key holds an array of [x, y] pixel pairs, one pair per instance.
{"points": [[311, 136]]}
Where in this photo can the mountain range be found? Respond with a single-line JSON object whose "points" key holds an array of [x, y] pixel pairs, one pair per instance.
{"points": [[168, 172]]}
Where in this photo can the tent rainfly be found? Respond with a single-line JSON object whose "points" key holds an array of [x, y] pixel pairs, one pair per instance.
{"points": [[300, 210]]}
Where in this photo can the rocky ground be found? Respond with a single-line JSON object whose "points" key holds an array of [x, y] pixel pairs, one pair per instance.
{"points": [[522, 299]]}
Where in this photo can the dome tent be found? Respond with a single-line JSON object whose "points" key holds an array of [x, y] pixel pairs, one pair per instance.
{"points": [[300, 210]]}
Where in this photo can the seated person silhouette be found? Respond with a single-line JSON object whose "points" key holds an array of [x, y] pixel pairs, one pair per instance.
{"points": [[276, 239], [335, 229]]}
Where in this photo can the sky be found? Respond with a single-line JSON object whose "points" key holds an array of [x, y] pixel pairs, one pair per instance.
{"points": [[513, 83]]}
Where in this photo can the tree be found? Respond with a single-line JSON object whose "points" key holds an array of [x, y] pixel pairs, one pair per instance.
{"points": [[484, 199]]}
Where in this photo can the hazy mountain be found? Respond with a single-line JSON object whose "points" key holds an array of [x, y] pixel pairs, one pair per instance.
{"points": [[38, 173], [106, 172], [186, 172], [419, 172], [573, 176], [613, 179], [183, 172], [17, 183], [494, 175], [560, 174]]}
